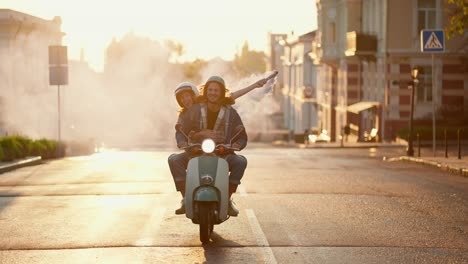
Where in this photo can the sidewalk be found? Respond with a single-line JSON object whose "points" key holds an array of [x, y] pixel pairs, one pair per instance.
{"points": [[452, 164], [291, 144], [8, 166]]}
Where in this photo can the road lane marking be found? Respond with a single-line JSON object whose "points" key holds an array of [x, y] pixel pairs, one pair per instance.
{"points": [[262, 241], [151, 227], [242, 191]]}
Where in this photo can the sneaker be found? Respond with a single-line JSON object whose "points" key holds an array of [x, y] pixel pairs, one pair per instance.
{"points": [[181, 210], [232, 210]]}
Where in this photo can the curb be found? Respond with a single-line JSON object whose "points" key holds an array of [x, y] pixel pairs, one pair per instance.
{"points": [[462, 171], [324, 146], [20, 163]]}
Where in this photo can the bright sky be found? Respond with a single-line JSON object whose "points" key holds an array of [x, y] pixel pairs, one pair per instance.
{"points": [[206, 28]]}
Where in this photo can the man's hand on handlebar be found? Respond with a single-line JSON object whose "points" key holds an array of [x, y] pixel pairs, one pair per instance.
{"points": [[182, 145]]}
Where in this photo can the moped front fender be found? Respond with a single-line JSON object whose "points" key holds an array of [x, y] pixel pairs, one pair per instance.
{"points": [[206, 194]]}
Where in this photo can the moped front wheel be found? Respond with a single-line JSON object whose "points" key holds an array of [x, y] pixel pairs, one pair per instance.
{"points": [[205, 213]]}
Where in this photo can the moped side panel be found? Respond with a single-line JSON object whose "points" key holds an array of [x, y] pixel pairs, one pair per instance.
{"points": [[222, 184], [191, 182]]}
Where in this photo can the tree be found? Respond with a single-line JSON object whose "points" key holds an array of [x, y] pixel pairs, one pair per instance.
{"points": [[176, 48], [458, 17], [249, 61], [192, 70]]}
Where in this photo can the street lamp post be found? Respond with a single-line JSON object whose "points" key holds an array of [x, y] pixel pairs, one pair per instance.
{"points": [[414, 76]]}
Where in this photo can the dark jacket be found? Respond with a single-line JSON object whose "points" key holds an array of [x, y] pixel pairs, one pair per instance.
{"points": [[190, 124]]}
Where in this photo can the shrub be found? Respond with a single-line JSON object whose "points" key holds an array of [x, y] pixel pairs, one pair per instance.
{"points": [[17, 147], [11, 148], [38, 148], [50, 148], [25, 144], [2, 155]]}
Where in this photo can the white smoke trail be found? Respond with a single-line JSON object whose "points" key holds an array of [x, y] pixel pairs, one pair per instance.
{"points": [[28, 105], [132, 102]]}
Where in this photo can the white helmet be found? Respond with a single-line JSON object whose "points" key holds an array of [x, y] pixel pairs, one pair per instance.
{"points": [[185, 86]]}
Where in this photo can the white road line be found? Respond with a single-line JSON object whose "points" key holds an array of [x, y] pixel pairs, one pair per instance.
{"points": [[265, 249], [242, 191], [151, 226]]}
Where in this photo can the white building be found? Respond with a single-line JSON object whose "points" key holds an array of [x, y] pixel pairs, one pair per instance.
{"points": [[300, 85], [24, 76]]}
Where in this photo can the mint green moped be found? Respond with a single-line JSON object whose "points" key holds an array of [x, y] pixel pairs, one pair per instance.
{"points": [[207, 185]]}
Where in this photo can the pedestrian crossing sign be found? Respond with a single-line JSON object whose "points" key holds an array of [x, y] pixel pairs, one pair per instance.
{"points": [[432, 40]]}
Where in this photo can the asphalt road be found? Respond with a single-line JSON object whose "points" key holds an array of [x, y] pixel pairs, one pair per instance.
{"points": [[296, 206]]}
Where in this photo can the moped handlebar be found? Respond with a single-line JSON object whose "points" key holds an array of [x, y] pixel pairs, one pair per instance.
{"points": [[191, 146], [219, 149]]}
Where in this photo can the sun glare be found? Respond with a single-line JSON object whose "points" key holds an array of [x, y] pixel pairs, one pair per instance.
{"points": [[206, 28]]}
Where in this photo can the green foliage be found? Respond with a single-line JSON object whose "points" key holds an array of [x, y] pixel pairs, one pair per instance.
{"points": [[176, 48], [192, 70], [458, 17], [50, 148], [250, 61], [38, 148], [26, 145], [11, 148], [2, 155], [18, 147]]}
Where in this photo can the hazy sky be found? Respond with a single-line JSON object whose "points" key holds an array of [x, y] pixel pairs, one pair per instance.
{"points": [[206, 28]]}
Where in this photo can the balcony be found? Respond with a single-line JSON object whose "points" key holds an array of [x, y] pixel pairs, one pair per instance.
{"points": [[361, 45]]}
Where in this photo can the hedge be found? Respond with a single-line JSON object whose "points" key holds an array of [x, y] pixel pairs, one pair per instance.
{"points": [[18, 147], [2, 155]]}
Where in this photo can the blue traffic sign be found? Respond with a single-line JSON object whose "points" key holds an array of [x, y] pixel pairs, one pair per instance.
{"points": [[432, 40]]}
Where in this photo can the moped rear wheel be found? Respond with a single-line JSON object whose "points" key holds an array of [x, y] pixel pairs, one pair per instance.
{"points": [[205, 214]]}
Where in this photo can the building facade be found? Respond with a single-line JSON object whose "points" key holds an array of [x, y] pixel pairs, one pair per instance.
{"points": [[299, 85], [367, 48], [24, 66]]}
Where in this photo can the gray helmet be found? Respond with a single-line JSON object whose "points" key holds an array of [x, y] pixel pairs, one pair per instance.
{"points": [[215, 79], [185, 86]]}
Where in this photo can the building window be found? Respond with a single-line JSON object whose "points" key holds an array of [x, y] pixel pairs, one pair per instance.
{"points": [[426, 14], [424, 89]]}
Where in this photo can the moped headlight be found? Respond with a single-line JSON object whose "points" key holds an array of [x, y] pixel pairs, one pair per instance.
{"points": [[208, 145]]}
